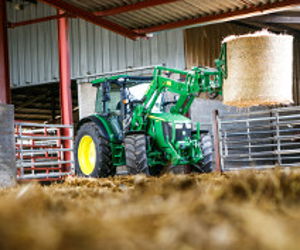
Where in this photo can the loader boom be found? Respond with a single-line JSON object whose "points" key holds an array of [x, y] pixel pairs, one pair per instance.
{"points": [[198, 80]]}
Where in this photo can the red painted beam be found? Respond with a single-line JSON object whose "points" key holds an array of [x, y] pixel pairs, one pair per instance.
{"points": [[65, 79], [4, 63], [37, 20], [90, 17], [250, 11], [132, 7], [65, 70]]}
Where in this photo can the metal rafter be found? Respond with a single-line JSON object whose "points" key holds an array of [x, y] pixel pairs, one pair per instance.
{"points": [[243, 13], [132, 7], [276, 19], [276, 28], [90, 17], [37, 20]]}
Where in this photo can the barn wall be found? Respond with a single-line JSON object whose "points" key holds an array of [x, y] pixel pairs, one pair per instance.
{"points": [[7, 146], [34, 56], [33, 50], [202, 46]]}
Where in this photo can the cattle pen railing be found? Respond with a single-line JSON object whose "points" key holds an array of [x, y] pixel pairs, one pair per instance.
{"points": [[249, 140], [43, 151], [259, 139]]}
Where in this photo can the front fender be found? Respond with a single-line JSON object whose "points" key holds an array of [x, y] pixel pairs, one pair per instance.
{"points": [[104, 125]]}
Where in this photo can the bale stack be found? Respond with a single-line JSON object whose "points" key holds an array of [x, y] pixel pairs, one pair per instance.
{"points": [[260, 70]]}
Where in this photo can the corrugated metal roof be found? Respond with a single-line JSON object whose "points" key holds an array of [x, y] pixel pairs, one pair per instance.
{"points": [[166, 13]]}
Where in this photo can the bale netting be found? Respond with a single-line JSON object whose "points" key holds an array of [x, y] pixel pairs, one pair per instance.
{"points": [[260, 70]]}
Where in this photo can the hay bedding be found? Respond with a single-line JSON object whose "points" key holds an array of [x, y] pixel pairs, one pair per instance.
{"points": [[260, 70], [234, 211]]}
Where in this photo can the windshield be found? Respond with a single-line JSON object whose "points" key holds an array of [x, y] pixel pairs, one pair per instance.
{"points": [[112, 104], [137, 92], [134, 93]]}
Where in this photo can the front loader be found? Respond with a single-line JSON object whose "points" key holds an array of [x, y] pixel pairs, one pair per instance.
{"points": [[148, 132]]}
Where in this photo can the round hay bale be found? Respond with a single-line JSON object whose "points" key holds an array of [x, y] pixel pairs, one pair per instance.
{"points": [[260, 70]]}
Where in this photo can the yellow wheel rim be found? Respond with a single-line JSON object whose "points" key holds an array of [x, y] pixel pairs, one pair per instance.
{"points": [[87, 155]]}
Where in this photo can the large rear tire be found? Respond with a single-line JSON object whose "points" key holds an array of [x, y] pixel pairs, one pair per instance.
{"points": [[206, 165], [136, 154], [93, 156]]}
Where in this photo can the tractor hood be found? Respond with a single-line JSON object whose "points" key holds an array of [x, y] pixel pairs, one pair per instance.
{"points": [[168, 117]]}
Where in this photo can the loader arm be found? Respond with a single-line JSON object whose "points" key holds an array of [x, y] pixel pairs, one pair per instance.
{"points": [[198, 80]]}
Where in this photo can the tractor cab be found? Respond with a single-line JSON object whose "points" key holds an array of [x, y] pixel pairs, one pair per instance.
{"points": [[117, 97], [120, 94], [115, 93]]}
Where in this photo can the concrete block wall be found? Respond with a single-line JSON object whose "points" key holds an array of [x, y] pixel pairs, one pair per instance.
{"points": [[202, 109], [7, 146]]}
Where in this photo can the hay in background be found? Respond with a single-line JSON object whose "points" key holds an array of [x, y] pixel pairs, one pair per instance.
{"points": [[260, 70]]}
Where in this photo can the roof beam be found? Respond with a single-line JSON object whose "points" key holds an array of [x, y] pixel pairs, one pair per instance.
{"points": [[37, 20], [228, 16], [276, 19], [132, 7], [256, 26], [90, 17], [276, 28]]}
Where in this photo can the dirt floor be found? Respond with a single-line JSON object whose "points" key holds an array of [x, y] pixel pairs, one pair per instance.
{"points": [[244, 210]]}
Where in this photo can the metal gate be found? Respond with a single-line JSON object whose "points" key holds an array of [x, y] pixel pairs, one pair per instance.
{"points": [[43, 151], [260, 139]]}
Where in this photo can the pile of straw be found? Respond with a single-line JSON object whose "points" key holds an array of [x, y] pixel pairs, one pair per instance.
{"points": [[233, 211], [260, 70]]}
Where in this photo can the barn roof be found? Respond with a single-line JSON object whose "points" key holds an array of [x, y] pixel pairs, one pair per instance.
{"points": [[137, 18]]}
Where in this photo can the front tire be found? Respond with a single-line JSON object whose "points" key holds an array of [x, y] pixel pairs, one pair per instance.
{"points": [[93, 156], [136, 154], [206, 165]]}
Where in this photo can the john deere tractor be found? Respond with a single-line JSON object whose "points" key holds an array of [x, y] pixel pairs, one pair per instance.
{"points": [[141, 125]]}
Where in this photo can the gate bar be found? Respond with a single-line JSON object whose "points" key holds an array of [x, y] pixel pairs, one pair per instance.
{"points": [[216, 140]]}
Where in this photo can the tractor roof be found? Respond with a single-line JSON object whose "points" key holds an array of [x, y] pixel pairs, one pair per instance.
{"points": [[121, 79]]}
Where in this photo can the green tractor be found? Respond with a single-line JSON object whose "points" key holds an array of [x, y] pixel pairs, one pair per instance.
{"points": [[141, 124]]}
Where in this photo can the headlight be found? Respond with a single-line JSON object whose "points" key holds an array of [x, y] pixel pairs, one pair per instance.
{"points": [[178, 125], [188, 125]]}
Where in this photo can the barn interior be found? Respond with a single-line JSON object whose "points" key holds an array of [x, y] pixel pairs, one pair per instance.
{"points": [[75, 174]]}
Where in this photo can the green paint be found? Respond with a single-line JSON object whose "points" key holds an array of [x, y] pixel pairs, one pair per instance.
{"points": [[171, 137], [105, 79]]}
